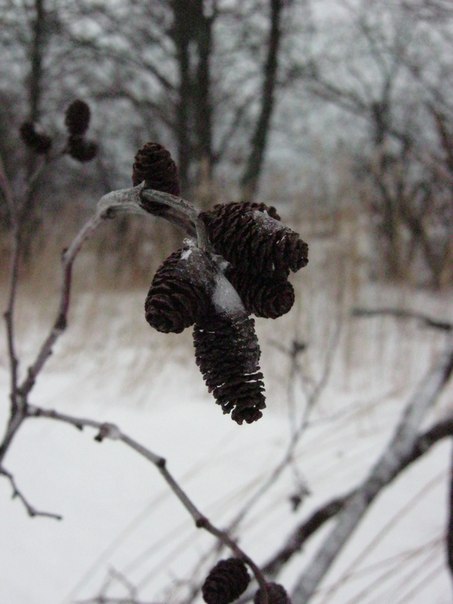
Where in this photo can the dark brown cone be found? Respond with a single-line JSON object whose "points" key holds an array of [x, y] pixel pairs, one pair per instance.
{"points": [[39, 142], [81, 149], [154, 165], [267, 297], [253, 241], [77, 118], [227, 353], [226, 582], [179, 292], [276, 595]]}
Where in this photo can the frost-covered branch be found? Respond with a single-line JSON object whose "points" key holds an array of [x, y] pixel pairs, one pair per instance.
{"points": [[396, 455]]}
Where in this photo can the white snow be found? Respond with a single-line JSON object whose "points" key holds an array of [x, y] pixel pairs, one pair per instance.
{"points": [[120, 515], [186, 254], [225, 298]]}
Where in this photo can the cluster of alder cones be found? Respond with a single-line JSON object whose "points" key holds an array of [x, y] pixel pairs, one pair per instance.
{"points": [[229, 579], [244, 272], [77, 121]]}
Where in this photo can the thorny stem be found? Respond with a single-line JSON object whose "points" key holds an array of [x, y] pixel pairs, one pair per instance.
{"points": [[112, 432]]}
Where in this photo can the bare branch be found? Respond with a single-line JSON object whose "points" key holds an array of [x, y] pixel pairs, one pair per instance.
{"points": [[384, 471], [449, 540], [121, 201], [112, 432], [400, 313], [319, 517], [5, 188], [31, 510], [302, 533]]}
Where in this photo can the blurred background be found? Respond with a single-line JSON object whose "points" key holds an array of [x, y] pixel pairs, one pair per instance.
{"points": [[337, 112]]}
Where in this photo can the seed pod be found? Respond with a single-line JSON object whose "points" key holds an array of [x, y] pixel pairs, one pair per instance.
{"points": [[276, 595], [252, 240], [81, 149], [179, 292], [154, 165], [226, 582], [227, 353], [34, 139], [261, 295], [77, 118]]}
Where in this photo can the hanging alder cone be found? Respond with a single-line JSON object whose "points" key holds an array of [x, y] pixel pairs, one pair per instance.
{"points": [[81, 149], [252, 239], [37, 141], [276, 595], [226, 582], [261, 295], [227, 353], [154, 165], [179, 291], [77, 118]]}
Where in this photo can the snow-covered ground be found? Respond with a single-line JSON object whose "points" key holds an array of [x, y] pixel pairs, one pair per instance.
{"points": [[121, 522]]}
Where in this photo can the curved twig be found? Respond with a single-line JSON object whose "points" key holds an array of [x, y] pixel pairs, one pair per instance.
{"points": [[112, 432]]}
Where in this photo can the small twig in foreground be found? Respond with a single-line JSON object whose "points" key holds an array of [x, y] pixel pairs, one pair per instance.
{"points": [[112, 432], [388, 465], [31, 510]]}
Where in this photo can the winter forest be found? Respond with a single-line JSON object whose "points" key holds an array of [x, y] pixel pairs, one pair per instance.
{"points": [[226, 294]]}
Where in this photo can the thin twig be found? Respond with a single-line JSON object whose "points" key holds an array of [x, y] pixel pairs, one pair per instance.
{"points": [[31, 510], [182, 207], [393, 458], [400, 313], [299, 536], [121, 201], [112, 432], [449, 539], [9, 314]]}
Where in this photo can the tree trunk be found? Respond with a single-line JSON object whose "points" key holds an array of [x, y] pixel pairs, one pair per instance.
{"points": [[182, 35], [254, 165]]}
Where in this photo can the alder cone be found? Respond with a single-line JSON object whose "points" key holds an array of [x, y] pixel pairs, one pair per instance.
{"points": [[154, 165], [77, 118], [81, 149], [227, 353], [178, 293], [251, 238], [276, 595], [263, 296], [39, 142], [226, 582]]}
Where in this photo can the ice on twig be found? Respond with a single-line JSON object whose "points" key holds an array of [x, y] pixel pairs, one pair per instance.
{"points": [[225, 298]]}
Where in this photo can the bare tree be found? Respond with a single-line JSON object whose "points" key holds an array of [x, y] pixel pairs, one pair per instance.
{"points": [[387, 80]]}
